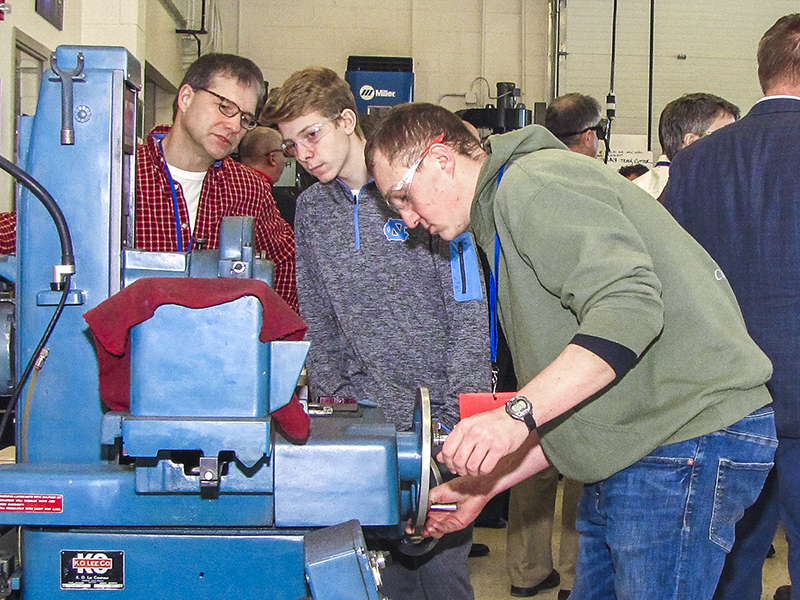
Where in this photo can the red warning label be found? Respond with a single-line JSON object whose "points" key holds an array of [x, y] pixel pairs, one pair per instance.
{"points": [[32, 503]]}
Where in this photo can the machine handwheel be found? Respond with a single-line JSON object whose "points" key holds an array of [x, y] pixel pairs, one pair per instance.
{"points": [[414, 544]]}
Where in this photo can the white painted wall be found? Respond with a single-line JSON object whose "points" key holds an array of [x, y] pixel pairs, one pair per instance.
{"points": [[114, 23], [164, 51], [452, 42], [719, 40], [23, 17]]}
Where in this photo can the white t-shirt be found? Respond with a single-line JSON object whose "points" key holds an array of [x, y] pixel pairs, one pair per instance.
{"points": [[655, 180], [192, 184]]}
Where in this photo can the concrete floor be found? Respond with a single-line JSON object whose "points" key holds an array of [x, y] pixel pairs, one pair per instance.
{"points": [[490, 581]]}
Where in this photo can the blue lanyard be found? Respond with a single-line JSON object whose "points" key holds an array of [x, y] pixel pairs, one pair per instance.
{"points": [[493, 334], [175, 208], [493, 337], [356, 229]]}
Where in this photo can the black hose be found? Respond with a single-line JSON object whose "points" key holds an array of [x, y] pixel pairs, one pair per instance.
{"points": [[613, 45], [67, 258], [611, 100], [36, 188]]}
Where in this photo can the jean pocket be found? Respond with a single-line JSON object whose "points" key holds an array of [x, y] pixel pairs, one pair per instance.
{"points": [[738, 486], [758, 427]]}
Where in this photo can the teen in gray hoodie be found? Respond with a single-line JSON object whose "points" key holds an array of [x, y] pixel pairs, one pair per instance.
{"points": [[389, 309]]}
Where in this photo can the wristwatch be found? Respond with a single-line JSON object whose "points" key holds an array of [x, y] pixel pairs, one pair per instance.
{"points": [[520, 409]]}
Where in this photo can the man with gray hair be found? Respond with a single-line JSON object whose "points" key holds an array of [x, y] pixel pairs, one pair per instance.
{"points": [[682, 122], [262, 150], [575, 120]]}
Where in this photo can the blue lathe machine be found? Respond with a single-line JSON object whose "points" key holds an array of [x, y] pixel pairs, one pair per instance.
{"points": [[193, 493]]}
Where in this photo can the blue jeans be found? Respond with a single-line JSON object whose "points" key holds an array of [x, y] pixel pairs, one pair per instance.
{"points": [[743, 572], [779, 500], [660, 529]]}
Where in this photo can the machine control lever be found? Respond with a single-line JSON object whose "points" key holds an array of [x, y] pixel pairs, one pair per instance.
{"points": [[67, 77], [377, 561], [209, 477]]}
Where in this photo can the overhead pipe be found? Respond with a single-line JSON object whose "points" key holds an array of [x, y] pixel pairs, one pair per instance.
{"points": [[611, 100], [554, 36], [650, 73], [195, 32]]}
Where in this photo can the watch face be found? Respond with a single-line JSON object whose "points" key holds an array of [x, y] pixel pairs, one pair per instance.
{"points": [[520, 406]]}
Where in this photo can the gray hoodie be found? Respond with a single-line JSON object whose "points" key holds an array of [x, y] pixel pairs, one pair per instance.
{"points": [[379, 300]]}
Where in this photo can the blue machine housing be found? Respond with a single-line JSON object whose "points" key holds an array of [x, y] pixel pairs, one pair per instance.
{"points": [[192, 493], [380, 82], [334, 551]]}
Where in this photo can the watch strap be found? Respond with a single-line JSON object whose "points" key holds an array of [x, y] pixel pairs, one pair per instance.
{"points": [[529, 421]]}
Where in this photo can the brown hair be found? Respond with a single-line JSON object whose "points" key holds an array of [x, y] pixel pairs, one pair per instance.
{"points": [[311, 89], [691, 113], [208, 66], [779, 53], [407, 129]]}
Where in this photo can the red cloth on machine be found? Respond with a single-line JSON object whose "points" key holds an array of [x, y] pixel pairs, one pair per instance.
{"points": [[112, 320]]}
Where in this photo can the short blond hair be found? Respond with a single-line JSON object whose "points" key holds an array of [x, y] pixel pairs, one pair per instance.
{"points": [[779, 53], [311, 89]]}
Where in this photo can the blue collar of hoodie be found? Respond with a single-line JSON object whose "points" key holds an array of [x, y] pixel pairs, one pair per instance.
{"points": [[355, 197]]}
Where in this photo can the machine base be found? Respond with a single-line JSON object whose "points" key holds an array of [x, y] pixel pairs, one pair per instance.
{"points": [[146, 564]]}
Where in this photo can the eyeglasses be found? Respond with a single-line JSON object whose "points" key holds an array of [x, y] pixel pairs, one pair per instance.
{"points": [[601, 129], [404, 185], [229, 108], [309, 137]]}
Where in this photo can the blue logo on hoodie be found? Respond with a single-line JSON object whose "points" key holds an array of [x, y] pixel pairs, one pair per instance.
{"points": [[395, 230]]}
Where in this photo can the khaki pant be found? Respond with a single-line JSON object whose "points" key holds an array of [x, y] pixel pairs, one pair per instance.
{"points": [[531, 511]]}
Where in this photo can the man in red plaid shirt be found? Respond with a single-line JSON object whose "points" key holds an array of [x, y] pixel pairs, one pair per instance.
{"points": [[185, 170]]}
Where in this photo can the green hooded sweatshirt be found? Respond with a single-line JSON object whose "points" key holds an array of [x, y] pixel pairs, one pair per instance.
{"points": [[584, 250]]}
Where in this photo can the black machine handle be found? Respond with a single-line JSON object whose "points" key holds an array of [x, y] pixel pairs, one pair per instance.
{"points": [[67, 77]]}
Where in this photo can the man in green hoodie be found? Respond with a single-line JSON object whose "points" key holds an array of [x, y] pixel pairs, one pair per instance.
{"points": [[642, 381]]}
